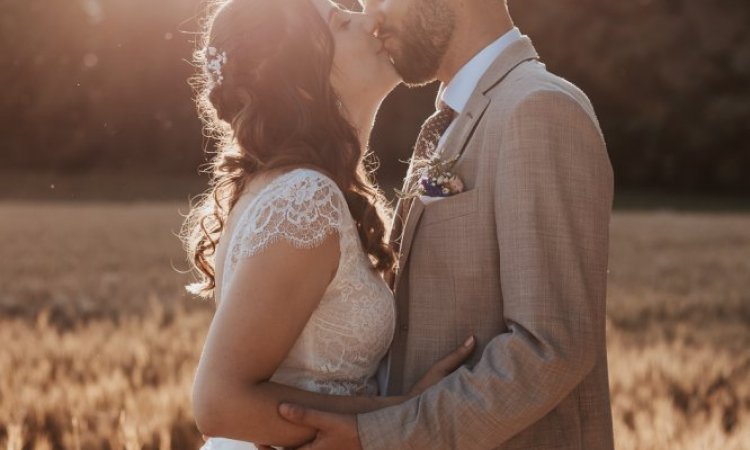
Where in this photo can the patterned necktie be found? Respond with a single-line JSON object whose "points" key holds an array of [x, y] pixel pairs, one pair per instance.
{"points": [[427, 141], [432, 129], [426, 147]]}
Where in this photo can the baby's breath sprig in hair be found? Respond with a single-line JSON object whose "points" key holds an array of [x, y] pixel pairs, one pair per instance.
{"points": [[214, 63]]}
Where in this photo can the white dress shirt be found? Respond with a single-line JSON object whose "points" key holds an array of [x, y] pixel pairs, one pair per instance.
{"points": [[458, 91]]}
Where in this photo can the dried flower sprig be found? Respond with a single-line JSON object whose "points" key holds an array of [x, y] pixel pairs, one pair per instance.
{"points": [[436, 179]]}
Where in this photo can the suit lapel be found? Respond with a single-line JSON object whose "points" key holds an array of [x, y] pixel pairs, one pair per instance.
{"points": [[517, 53], [412, 218], [465, 123]]}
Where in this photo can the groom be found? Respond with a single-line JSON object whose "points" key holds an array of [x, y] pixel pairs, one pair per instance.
{"points": [[519, 258]]}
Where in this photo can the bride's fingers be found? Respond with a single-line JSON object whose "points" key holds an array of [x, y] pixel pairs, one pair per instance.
{"points": [[454, 359]]}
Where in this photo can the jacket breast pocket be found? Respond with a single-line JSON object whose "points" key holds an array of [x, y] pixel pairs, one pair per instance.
{"points": [[451, 207]]}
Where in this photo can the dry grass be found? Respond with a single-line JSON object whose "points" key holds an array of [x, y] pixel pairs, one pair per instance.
{"points": [[679, 335], [99, 344]]}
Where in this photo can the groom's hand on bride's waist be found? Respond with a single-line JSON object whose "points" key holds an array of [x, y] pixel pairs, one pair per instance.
{"points": [[335, 431]]}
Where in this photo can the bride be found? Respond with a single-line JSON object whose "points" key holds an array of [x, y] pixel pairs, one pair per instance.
{"points": [[290, 240]]}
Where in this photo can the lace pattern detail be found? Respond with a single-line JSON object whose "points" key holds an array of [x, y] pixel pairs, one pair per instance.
{"points": [[350, 331], [302, 210]]}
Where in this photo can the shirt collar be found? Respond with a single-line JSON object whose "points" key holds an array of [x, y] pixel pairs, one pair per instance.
{"points": [[457, 93]]}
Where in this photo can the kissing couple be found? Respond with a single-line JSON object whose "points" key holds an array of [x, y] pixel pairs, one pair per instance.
{"points": [[474, 318]]}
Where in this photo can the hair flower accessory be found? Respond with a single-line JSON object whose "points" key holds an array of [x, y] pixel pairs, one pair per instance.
{"points": [[214, 63]]}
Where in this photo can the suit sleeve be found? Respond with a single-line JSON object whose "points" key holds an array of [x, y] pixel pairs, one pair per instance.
{"points": [[552, 198]]}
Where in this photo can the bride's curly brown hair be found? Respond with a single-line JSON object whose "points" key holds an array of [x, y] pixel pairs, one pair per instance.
{"points": [[274, 108]]}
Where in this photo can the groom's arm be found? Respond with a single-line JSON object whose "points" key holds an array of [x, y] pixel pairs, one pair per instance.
{"points": [[553, 194]]}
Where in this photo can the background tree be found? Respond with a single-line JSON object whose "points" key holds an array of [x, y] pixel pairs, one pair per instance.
{"points": [[100, 85]]}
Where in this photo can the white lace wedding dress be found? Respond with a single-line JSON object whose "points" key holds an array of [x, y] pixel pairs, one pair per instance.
{"points": [[348, 334]]}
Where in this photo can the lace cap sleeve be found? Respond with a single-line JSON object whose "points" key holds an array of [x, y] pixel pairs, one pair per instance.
{"points": [[302, 207]]}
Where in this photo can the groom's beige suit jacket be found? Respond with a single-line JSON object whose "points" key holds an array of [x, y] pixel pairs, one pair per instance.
{"points": [[520, 260]]}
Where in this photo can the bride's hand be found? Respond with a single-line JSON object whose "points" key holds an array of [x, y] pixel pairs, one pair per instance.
{"points": [[444, 367]]}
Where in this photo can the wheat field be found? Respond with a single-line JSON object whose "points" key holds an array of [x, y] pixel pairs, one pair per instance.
{"points": [[98, 343]]}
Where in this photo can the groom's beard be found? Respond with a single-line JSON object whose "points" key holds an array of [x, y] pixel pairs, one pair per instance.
{"points": [[422, 42]]}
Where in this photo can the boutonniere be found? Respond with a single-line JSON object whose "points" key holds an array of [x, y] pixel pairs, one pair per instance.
{"points": [[436, 179]]}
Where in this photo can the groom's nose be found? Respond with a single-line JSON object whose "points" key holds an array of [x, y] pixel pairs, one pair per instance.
{"points": [[376, 21], [372, 7], [370, 24]]}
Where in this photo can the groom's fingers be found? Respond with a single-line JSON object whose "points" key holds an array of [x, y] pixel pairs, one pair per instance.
{"points": [[294, 413], [306, 416]]}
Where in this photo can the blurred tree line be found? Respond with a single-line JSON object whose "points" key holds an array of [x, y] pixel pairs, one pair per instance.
{"points": [[100, 85]]}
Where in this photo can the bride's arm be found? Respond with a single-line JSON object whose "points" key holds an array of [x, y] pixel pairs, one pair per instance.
{"points": [[259, 318]]}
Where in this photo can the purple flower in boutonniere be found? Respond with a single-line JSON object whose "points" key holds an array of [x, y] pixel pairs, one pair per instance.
{"points": [[436, 179], [442, 185]]}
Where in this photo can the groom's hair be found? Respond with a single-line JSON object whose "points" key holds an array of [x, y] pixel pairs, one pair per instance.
{"points": [[265, 95]]}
